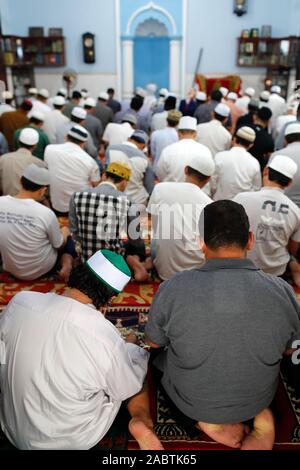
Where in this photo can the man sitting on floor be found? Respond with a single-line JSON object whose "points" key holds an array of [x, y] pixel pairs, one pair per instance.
{"points": [[65, 370], [31, 242], [275, 220], [224, 328], [101, 216]]}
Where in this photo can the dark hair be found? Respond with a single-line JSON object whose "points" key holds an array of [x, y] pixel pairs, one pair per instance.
{"points": [[298, 112], [76, 95], [59, 93], [252, 108], [85, 281], [279, 178], [35, 121], [29, 185], [59, 107], [76, 119], [243, 142], [137, 103], [170, 103], [24, 146], [264, 114], [292, 138], [115, 178], [74, 141], [216, 95], [220, 118], [9, 100], [172, 123], [196, 174], [111, 91], [224, 224]]}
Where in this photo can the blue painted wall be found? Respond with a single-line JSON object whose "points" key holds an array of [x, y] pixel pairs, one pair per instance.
{"points": [[75, 17]]}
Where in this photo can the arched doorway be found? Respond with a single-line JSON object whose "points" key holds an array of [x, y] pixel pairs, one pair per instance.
{"points": [[151, 54]]}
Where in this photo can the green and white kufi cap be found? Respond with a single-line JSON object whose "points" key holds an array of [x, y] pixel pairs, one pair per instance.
{"points": [[111, 269]]}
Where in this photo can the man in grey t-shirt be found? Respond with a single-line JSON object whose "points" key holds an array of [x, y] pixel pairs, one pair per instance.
{"points": [[224, 328]]}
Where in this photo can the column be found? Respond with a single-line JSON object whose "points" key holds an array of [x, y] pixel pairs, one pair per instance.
{"points": [[127, 68], [175, 66]]}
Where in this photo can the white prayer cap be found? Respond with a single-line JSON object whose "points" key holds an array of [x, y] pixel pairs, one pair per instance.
{"points": [[163, 92], [250, 92], [222, 110], [152, 88], [187, 123], [103, 96], [79, 113], [130, 118], [37, 175], [33, 91], [247, 133], [276, 89], [78, 133], [90, 102], [59, 101], [224, 91], [29, 136], [111, 269], [202, 162], [284, 165], [44, 93], [201, 96], [232, 96], [292, 129], [37, 115], [141, 92], [63, 92], [7, 95], [265, 95]]}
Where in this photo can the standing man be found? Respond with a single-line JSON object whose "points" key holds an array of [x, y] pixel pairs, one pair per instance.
{"points": [[275, 220], [243, 102], [75, 369], [222, 338], [12, 165], [93, 124], [159, 120], [264, 144], [75, 102], [248, 119], [103, 112], [112, 103], [277, 104], [12, 121], [203, 113], [236, 170], [235, 111], [188, 106], [71, 169], [55, 120], [213, 134], [36, 122], [163, 138]]}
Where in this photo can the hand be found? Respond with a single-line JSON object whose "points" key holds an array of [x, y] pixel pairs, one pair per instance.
{"points": [[131, 338], [66, 232]]}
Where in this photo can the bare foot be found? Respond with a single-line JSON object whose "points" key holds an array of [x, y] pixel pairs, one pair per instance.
{"points": [[67, 265], [148, 264], [263, 435], [141, 275], [145, 437], [230, 435]]}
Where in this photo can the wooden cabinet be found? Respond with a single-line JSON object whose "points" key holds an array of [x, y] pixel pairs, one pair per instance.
{"points": [[268, 52], [35, 51]]}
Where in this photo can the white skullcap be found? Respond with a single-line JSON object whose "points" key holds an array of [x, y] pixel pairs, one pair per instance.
{"points": [[141, 92], [59, 101], [79, 113], [78, 133], [103, 96], [276, 89], [265, 95], [152, 88], [187, 123], [202, 162], [37, 175], [164, 92], [222, 110], [29, 136], [232, 96], [37, 115], [292, 129], [44, 93], [224, 91], [284, 165], [111, 269], [250, 92], [247, 133], [201, 96], [33, 91], [90, 102], [7, 95], [63, 92]]}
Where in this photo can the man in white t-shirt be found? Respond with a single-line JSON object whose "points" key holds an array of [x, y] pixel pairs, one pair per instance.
{"points": [[65, 370], [175, 210], [117, 134], [213, 134], [31, 242], [71, 169], [274, 220], [176, 157], [236, 170]]}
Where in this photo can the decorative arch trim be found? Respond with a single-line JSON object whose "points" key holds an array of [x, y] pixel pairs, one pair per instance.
{"points": [[151, 6]]}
